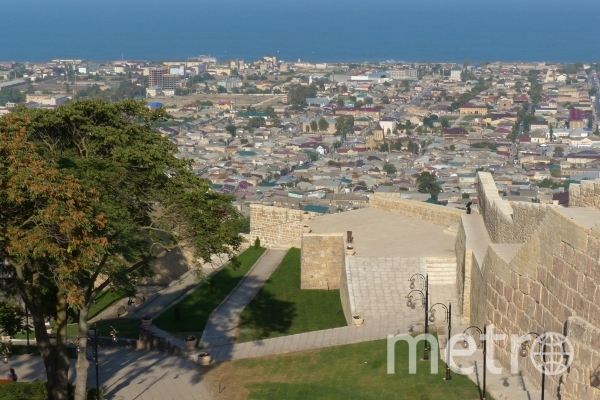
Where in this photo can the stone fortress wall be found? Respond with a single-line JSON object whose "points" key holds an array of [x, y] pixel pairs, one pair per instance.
{"points": [[536, 271], [393, 203], [275, 225], [586, 194]]}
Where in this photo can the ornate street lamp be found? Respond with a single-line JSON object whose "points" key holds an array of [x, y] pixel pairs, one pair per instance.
{"points": [[526, 346], [482, 342], [424, 286], [447, 318]]}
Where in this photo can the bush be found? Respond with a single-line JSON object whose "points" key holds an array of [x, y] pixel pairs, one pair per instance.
{"points": [[23, 390], [257, 243], [37, 391]]}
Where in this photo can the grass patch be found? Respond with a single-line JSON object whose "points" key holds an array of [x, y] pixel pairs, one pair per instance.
{"points": [[104, 300], [128, 328], [356, 371], [282, 308], [190, 315]]}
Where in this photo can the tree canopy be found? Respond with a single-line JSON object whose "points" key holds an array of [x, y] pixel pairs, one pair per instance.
{"points": [[90, 191], [427, 183]]}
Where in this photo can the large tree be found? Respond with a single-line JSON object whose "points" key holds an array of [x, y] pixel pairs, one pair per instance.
{"points": [[427, 183], [90, 195], [323, 124]]}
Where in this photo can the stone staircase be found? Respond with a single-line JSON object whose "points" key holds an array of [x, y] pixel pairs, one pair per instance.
{"points": [[442, 271]]}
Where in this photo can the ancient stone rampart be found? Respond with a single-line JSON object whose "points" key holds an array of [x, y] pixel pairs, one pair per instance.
{"points": [[506, 222], [275, 225], [585, 194], [436, 214], [322, 261], [544, 278]]}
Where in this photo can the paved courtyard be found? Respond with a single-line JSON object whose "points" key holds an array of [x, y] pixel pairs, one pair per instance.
{"points": [[381, 234], [128, 375]]}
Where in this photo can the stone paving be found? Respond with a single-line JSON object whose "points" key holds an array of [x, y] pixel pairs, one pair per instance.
{"points": [[127, 375], [223, 323], [380, 234]]}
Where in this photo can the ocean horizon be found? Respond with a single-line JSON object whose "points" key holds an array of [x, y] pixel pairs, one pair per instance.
{"points": [[310, 30]]}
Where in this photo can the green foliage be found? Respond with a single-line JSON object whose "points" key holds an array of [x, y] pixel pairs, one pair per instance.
{"points": [[114, 190], [234, 263], [11, 95], [314, 126], [126, 90], [323, 124], [389, 168], [549, 183], [37, 391], [257, 243], [484, 145], [12, 318], [413, 147], [297, 94], [427, 183], [231, 129], [255, 122], [556, 173]]}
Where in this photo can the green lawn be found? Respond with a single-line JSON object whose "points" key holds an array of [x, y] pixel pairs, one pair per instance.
{"points": [[190, 315], [356, 371], [103, 301], [281, 308]]}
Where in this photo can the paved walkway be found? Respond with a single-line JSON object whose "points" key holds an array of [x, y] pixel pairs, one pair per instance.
{"points": [[223, 323], [381, 234], [128, 375], [167, 296]]}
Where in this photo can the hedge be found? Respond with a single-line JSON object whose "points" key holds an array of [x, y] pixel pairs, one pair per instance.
{"points": [[36, 391]]}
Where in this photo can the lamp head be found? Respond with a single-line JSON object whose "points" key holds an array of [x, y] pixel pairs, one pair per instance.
{"points": [[412, 283], [432, 318], [465, 344], [524, 349]]}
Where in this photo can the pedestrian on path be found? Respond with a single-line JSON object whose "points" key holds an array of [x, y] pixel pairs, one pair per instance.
{"points": [[12, 375]]}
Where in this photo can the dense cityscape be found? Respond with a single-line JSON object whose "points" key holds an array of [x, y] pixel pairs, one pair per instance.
{"points": [[326, 135], [226, 228]]}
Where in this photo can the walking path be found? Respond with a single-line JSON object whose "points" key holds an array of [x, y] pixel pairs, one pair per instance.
{"points": [[167, 296], [223, 323], [127, 375]]}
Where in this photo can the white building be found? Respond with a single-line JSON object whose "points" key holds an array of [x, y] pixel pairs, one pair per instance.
{"points": [[455, 73]]}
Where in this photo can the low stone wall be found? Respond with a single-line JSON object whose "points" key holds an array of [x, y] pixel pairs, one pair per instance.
{"points": [[322, 261], [436, 214], [345, 295], [274, 225]]}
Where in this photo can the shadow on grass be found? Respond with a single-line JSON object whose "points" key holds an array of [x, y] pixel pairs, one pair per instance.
{"points": [[267, 315]]}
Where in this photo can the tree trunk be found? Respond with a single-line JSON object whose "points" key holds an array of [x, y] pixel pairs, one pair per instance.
{"points": [[57, 366], [82, 362]]}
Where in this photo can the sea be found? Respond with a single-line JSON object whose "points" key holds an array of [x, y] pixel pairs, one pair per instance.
{"points": [[306, 30]]}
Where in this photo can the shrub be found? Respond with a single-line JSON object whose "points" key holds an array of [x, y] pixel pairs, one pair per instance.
{"points": [[37, 391], [257, 243]]}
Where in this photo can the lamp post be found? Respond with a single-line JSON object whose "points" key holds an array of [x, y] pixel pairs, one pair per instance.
{"points": [[28, 349], [448, 318], [482, 338], [113, 334], [425, 285], [524, 352]]}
